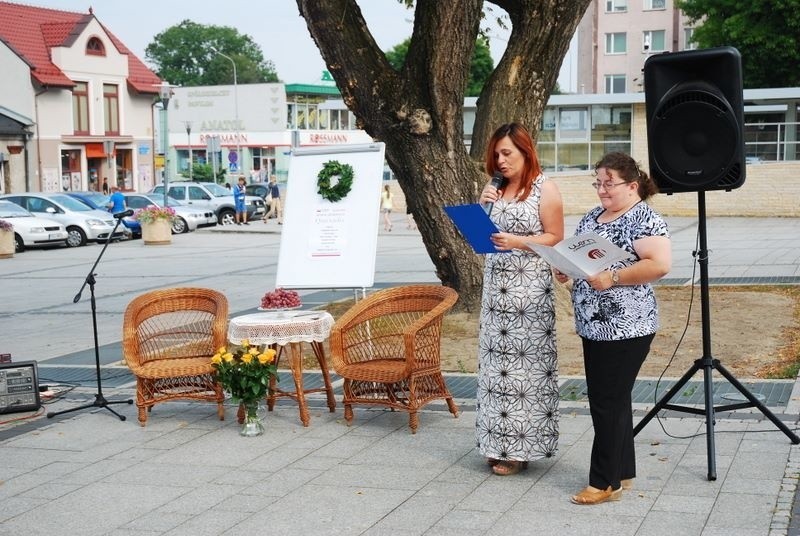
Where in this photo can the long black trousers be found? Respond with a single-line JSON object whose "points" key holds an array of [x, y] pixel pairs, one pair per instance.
{"points": [[611, 369]]}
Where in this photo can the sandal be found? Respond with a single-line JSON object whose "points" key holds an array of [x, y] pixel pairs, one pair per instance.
{"points": [[596, 496], [508, 468], [491, 462]]}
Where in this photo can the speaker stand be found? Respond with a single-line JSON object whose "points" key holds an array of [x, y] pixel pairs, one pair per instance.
{"points": [[707, 364]]}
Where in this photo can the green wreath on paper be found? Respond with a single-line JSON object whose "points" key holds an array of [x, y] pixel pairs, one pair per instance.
{"points": [[330, 169]]}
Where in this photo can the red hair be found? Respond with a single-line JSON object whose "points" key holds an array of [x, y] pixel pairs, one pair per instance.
{"points": [[523, 141]]}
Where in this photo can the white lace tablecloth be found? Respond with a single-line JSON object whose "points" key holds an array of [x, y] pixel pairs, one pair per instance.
{"points": [[280, 327]]}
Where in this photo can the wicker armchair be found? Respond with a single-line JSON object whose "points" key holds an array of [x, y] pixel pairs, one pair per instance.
{"points": [[169, 337], [387, 349]]}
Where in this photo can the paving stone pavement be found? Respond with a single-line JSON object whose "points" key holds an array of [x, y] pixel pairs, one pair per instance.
{"points": [[88, 473], [187, 473]]}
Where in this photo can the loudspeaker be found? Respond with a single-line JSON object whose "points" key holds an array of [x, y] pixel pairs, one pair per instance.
{"points": [[695, 117]]}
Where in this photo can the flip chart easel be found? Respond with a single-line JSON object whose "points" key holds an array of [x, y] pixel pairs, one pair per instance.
{"points": [[331, 244]]}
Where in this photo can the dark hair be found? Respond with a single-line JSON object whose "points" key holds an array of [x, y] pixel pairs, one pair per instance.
{"points": [[523, 141], [629, 171]]}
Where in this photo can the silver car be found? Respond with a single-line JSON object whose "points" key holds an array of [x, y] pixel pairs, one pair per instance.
{"points": [[186, 218], [212, 196], [83, 224], [30, 231]]}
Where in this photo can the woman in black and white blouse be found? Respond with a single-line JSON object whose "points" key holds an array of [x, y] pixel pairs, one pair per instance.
{"points": [[616, 316]]}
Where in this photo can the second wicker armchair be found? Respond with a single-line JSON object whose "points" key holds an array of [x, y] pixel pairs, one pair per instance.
{"points": [[387, 349]]}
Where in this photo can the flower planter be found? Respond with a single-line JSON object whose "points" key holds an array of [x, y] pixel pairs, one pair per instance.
{"points": [[157, 233], [7, 245]]}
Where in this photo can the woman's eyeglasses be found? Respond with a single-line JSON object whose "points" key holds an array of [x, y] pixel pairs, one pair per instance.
{"points": [[607, 186]]}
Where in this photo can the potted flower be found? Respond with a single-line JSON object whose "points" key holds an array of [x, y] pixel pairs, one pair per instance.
{"points": [[156, 224], [245, 372], [7, 242]]}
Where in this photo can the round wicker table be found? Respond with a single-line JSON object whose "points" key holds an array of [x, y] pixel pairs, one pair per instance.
{"points": [[292, 329]]}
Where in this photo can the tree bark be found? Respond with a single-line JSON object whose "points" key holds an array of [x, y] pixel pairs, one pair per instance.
{"points": [[418, 111]]}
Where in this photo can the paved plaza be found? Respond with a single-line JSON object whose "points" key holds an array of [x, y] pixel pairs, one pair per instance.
{"points": [[88, 473]]}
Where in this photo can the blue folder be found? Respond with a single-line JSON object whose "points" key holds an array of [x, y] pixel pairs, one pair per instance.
{"points": [[475, 226]]}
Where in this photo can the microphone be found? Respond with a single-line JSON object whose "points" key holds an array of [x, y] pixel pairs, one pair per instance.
{"points": [[497, 182], [124, 214]]}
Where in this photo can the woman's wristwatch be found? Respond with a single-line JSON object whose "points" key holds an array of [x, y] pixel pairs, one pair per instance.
{"points": [[614, 277]]}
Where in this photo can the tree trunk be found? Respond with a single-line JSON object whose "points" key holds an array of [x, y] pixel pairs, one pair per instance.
{"points": [[520, 85], [418, 111]]}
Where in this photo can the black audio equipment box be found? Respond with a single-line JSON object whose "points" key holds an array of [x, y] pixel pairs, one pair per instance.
{"points": [[19, 387]]}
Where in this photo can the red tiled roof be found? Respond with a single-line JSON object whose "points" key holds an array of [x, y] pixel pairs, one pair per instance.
{"points": [[31, 31]]}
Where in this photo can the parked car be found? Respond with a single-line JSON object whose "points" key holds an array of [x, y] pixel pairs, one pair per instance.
{"points": [[186, 218], [99, 201], [213, 196], [83, 224], [262, 190], [31, 231]]}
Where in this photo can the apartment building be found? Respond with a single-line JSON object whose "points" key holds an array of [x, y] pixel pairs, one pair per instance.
{"points": [[615, 37]]}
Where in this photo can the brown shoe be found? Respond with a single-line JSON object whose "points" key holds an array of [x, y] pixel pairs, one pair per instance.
{"points": [[591, 495], [627, 483], [508, 468]]}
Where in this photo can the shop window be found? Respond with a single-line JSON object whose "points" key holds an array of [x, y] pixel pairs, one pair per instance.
{"points": [[94, 47], [573, 138], [611, 123], [573, 157], [111, 108], [547, 130], [80, 108], [573, 124]]}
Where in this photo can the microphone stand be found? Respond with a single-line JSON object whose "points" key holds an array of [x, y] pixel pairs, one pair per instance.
{"points": [[99, 400]]}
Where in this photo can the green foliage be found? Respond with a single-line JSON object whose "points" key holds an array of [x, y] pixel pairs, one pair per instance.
{"points": [[397, 55], [480, 68], [786, 372], [205, 173], [183, 55], [767, 34], [333, 168]]}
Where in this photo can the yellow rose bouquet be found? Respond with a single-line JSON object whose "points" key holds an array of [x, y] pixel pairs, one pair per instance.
{"points": [[245, 372]]}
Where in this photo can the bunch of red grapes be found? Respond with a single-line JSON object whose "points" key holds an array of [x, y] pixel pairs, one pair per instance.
{"points": [[280, 299]]}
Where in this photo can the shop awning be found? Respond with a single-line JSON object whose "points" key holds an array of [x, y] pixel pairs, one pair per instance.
{"points": [[96, 150]]}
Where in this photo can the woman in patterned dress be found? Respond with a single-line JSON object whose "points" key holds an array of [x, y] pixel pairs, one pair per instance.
{"points": [[616, 316], [517, 400]]}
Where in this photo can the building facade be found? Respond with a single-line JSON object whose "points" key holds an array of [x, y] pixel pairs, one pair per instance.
{"points": [[75, 105], [615, 37], [250, 129], [577, 129]]}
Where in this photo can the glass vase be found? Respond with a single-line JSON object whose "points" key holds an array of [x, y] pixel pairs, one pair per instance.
{"points": [[252, 425]]}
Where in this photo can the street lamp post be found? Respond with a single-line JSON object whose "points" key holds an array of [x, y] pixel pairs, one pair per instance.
{"points": [[189, 142], [164, 93], [235, 108]]}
